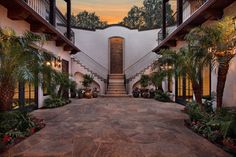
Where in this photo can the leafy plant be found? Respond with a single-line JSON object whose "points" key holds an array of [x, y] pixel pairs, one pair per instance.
{"points": [[157, 78], [88, 79], [17, 124], [144, 81], [54, 102], [19, 62], [162, 96]]}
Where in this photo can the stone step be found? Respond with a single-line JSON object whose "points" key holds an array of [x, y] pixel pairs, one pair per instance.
{"points": [[116, 95], [116, 76], [116, 87], [116, 92], [116, 83]]}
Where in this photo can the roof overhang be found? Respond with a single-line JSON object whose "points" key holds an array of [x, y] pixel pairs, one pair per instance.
{"points": [[19, 10], [210, 10]]}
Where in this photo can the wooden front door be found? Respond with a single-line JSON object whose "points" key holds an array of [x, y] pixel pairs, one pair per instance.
{"points": [[116, 55]]}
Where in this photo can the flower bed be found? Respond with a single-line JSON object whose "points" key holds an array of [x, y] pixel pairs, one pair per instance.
{"points": [[219, 127], [15, 126]]}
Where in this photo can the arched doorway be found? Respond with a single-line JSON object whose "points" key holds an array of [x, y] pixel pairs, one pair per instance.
{"points": [[116, 55]]}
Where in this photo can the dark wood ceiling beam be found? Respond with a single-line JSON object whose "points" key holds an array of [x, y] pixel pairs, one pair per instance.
{"points": [[214, 14], [67, 48], [17, 14], [37, 28], [172, 43], [60, 43]]}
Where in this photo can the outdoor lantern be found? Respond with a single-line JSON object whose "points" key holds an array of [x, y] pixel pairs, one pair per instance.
{"points": [[48, 63], [234, 22]]}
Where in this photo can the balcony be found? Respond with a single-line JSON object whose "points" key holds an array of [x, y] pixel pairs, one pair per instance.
{"points": [[189, 8], [42, 8], [194, 14]]}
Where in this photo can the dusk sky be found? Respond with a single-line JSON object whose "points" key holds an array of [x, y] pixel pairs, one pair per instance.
{"points": [[112, 11]]}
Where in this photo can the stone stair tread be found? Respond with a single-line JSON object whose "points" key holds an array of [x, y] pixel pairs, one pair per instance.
{"points": [[116, 87]]}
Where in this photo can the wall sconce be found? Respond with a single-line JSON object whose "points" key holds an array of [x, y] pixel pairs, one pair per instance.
{"points": [[57, 62], [48, 63]]}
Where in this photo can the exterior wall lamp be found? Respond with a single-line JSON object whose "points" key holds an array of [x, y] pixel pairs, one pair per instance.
{"points": [[234, 22]]}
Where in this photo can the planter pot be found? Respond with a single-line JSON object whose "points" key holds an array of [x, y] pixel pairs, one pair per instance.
{"points": [[135, 94], [95, 94], [80, 95], [73, 95], [152, 94], [88, 94]]}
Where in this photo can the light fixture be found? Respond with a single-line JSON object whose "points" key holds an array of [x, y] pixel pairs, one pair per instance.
{"points": [[234, 22], [48, 63]]}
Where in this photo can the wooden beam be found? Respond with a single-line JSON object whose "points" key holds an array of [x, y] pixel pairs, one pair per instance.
{"points": [[67, 48], [37, 28], [17, 14], [171, 43], [52, 37], [215, 14], [60, 43]]}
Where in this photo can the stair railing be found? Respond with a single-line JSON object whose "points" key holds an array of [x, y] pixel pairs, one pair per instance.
{"points": [[91, 65], [140, 66]]}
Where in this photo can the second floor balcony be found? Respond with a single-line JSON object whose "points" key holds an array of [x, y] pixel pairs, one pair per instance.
{"points": [[42, 7]]}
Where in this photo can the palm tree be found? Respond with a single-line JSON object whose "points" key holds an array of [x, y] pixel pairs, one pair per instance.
{"points": [[223, 51], [19, 62], [185, 63]]}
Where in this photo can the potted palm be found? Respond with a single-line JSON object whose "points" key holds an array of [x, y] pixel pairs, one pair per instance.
{"points": [[88, 79], [144, 81]]}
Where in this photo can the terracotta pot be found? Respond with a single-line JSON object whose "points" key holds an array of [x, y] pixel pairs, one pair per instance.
{"points": [[88, 94], [95, 94]]}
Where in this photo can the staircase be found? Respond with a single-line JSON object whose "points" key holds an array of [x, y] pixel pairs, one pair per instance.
{"points": [[116, 87]]}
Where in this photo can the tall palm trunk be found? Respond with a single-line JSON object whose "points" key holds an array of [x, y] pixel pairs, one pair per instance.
{"points": [[197, 92], [6, 96], [222, 75]]}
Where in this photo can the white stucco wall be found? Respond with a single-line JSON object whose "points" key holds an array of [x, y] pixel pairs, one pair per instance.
{"points": [[78, 71], [20, 27], [96, 43]]}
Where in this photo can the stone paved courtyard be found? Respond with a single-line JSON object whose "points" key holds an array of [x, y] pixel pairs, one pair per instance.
{"points": [[115, 127]]}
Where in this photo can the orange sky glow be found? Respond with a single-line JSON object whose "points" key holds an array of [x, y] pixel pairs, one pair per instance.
{"points": [[112, 11]]}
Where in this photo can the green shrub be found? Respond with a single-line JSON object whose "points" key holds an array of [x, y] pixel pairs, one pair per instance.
{"points": [[15, 124], [162, 96], [55, 102], [215, 126], [194, 111]]}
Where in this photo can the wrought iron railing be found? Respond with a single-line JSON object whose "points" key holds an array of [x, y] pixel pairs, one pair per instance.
{"points": [[187, 13], [141, 65], [91, 65], [43, 9]]}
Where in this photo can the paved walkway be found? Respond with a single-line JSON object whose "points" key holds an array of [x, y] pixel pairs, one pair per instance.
{"points": [[115, 127]]}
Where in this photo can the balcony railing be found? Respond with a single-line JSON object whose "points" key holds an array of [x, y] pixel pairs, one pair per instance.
{"points": [[43, 9], [91, 65], [140, 66], [188, 11]]}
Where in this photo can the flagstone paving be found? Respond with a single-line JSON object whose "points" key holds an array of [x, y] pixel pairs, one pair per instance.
{"points": [[115, 127]]}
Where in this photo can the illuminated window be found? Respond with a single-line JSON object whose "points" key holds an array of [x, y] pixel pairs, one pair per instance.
{"points": [[206, 81]]}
